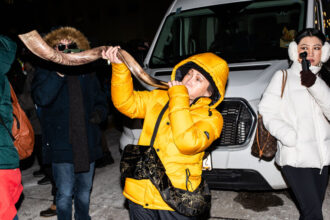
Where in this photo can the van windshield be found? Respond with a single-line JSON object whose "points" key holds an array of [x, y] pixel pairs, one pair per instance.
{"points": [[237, 32]]}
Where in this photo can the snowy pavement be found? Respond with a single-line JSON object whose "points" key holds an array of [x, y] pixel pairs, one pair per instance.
{"points": [[108, 203]]}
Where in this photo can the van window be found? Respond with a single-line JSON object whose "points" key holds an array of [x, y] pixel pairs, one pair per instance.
{"points": [[326, 17], [238, 32]]}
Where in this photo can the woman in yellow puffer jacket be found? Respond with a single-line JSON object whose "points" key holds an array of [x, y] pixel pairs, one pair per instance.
{"points": [[188, 126]]}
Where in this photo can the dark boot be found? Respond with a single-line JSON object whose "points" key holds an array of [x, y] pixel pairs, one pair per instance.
{"points": [[51, 211], [38, 173], [108, 158], [44, 181]]}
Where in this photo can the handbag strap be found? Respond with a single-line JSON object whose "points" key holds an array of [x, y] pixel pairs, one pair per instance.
{"points": [[284, 79], [157, 125]]}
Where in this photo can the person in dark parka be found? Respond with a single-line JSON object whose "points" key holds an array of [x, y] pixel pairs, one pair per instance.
{"points": [[72, 106]]}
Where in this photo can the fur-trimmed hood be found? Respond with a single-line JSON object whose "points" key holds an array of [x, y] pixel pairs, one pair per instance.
{"points": [[54, 37]]}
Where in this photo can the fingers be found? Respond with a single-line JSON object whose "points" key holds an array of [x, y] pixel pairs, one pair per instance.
{"points": [[174, 83], [111, 54]]}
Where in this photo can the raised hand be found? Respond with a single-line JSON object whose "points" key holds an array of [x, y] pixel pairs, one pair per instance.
{"points": [[111, 54], [307, 78], [174, 83]]}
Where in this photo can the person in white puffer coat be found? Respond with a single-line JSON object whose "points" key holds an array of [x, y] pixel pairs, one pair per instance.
{"points": [[300, 122]]}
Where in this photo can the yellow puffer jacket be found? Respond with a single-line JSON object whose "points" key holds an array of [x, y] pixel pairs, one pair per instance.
{"points": [[185, 130]]}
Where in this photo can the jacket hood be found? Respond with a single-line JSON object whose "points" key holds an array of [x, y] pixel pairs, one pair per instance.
{"points": [[7, 53], [54, 37], [214, 68]]}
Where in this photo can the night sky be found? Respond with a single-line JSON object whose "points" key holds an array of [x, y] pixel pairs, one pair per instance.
{"points": [[103, 22]]}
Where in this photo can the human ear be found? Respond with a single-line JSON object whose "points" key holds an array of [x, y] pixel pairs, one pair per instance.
{"points": [[325, 52]]}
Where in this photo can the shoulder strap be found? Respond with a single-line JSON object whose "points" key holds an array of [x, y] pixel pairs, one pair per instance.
{"points": [[157, 125], [284, 78]]}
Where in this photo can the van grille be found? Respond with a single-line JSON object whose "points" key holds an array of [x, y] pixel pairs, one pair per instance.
{"points": [[239, 122]]}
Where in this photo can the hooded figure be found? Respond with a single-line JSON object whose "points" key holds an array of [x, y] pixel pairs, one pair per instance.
{"points": [[10, 175], [8, 154], [187, 127], [74, 84], [72, 107]]}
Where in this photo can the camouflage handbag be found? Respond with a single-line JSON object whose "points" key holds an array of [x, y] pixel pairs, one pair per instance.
{"points": [[142, 162], [265, 145], [183, 201], [132, 162]]}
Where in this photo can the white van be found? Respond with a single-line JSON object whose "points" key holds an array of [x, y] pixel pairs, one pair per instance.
{"points": [[252, 36]]}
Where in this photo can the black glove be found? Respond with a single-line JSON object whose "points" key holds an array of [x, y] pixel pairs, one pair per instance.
{"points": [[96, 117], [307, 78]]}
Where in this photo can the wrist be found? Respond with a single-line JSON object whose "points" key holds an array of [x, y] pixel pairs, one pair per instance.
{"points": [[178, 96]]}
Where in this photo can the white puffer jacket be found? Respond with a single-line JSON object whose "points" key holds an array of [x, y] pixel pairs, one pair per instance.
{"points": [[299, 120]]}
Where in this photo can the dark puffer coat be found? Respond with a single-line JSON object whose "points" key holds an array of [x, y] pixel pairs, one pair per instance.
{"points": [[50, 93]]}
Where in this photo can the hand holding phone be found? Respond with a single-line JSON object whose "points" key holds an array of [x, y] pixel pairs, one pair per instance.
{"points": [[304, 62], [307, 77]]}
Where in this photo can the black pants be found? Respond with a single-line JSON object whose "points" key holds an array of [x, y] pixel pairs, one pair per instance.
{"points": [[308, 187], [137, 212], [49, 173], [37, 149]]}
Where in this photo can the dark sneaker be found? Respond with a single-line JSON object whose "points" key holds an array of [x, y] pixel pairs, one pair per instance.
{"points": [[44, 181], [108, 158], [38, 173], [51, 211]]}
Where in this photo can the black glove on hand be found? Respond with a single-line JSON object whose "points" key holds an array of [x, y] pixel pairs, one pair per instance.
{"points": [[96, 117], [307, 78]]}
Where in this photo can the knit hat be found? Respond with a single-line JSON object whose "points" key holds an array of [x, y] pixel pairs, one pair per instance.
{"points": [[7, 53]]}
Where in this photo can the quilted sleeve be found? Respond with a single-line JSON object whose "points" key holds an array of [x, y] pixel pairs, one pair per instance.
{"points": [[129, 102], [191, 137], [321, 92]]}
